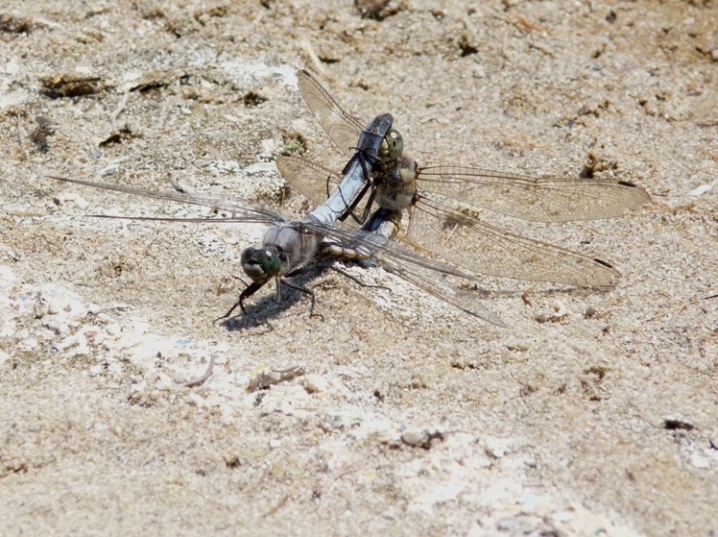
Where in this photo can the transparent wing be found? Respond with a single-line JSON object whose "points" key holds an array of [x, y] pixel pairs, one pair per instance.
{"points": [[471, 243], [441, 287], [312, 180], [316, 182], [242, 210], [484, 249], [433, 276], [343, 128], [546, 199]]}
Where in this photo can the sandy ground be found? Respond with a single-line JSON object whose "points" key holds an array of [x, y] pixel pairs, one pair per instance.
{"points": [[404, 415]]}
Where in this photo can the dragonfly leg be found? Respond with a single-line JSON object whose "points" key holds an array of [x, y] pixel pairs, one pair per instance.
{"points": [[248, 291], [306, 292], [357, 199], [357, 281]]}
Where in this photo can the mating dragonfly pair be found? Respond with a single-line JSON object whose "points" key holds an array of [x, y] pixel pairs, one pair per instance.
{"points": [[440, 202]]}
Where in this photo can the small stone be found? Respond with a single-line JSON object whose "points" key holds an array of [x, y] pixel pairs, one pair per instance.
{"points": [[699, 461], [700, 190], [232, 460], [112, 169], [314, 383], [53, 308], [112, 329], [40, 308], [81, 203], [494, 447], [195, 399], [164, 382], [421, 438], [413, 438], [714, 54]]}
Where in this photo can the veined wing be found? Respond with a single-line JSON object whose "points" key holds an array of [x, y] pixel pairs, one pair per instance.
{"points": [[484, 249], [432, 276], [545, 199], [312, 180], [242, 210], [468, 242], [438, 286], [343, 128]]}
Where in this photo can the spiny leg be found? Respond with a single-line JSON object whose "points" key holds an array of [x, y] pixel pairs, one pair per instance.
{"points": [[357, 199], [306, 292], [357, 281], [248, 291]]}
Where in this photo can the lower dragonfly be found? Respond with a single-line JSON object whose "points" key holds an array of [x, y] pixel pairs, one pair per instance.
{"points": [[442, 202], [291, 244]]}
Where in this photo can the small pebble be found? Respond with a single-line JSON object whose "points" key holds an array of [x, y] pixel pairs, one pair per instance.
{"points": [[700, 462], [197, 400], [316, 383], [112, 329], [421, 438], [414, 438], [40, 307], [700, 190], [164, 382], [494, 447], [112, 169], [53, 308]]}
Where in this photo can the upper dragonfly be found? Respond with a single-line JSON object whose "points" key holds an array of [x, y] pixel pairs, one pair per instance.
{"points": [[443, 199]]}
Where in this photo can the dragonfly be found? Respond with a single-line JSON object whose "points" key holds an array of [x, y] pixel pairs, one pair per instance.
{"points": [[290, 245], [443, 201]]}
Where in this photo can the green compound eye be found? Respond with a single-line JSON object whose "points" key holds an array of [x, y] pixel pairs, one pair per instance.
{"points": [[270, 262], [394, 144], [260, 264]]}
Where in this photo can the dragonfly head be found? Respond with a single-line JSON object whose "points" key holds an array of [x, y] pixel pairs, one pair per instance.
{"points": [[392, 146], [260, 264]]}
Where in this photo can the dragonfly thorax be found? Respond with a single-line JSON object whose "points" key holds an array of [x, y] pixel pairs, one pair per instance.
{"points": [[293, 243], [396, 188]]}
